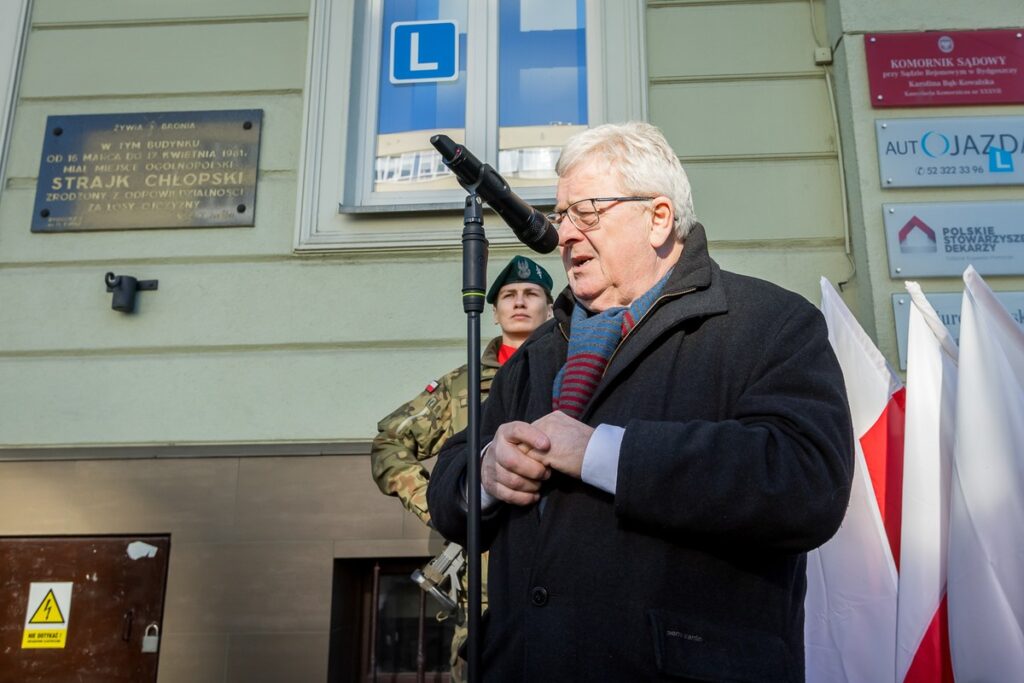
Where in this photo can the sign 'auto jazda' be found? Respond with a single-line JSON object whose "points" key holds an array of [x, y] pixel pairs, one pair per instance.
{"points": [[947, 152]]}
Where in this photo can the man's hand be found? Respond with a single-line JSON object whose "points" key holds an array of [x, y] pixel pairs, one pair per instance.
{"points": [[511, 469], [521, 456], [568, 439]]}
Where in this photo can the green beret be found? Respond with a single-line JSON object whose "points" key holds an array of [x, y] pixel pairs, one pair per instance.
{"points": [[520, 269]]}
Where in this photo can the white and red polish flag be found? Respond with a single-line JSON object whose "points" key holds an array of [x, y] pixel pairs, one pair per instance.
{"points": [[985, 582], [922, 634], [850, 625]]}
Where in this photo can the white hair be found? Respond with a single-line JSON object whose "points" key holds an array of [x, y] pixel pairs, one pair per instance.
{"points": [[644, 161]]}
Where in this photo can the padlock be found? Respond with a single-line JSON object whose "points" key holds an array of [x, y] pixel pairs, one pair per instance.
{"points": [[151, 641]]}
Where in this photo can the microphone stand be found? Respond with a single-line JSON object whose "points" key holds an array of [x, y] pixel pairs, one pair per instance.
{"points": [[481, 181], [474, 282]]}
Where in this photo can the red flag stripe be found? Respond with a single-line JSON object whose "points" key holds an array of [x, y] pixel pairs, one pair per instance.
{"points": [[932, 662], [883, 454]]}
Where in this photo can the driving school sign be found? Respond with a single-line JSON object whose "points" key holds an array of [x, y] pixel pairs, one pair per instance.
{"points": [[946, 152]]}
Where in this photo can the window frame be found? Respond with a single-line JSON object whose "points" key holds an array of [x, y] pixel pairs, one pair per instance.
{"points": [[14, 29], [333, 200], [355, 623]]}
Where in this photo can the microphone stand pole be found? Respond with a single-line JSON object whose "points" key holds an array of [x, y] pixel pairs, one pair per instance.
{"points": [[474, 282]]}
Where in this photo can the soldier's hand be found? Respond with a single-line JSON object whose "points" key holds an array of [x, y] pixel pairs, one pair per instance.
{"points": [[511, 470], [568, 439]]}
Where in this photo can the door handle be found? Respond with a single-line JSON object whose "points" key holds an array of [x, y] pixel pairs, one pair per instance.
{"points": [[126, 629]]}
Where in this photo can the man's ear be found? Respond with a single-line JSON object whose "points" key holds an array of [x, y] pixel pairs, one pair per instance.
{"points": [[662, 222]]}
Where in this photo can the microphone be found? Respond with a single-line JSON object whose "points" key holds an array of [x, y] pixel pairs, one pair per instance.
{"points": [[531, 226]]}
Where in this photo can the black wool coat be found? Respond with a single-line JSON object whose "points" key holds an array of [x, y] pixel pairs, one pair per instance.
{"points": [[737, 459]]}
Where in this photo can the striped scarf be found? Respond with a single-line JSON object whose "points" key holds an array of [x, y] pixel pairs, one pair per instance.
{"points": [[591, 343]]}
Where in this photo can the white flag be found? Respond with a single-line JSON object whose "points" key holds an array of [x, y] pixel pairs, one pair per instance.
{"points": [[986, 532], [850, 626], [922, 636]]}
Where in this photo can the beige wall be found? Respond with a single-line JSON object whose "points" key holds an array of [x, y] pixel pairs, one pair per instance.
{"points": [[735, 87], [245, 341], [858, 16], [248, 342]]}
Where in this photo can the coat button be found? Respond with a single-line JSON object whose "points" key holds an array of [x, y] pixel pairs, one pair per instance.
{"points": [[539, 596]]}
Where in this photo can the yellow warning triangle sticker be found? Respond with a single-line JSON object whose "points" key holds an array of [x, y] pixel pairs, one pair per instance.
{"points": [[48, 611]]}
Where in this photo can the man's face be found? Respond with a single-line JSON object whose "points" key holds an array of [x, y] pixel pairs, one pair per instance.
{"points": [[614, 263], [520, 308]]}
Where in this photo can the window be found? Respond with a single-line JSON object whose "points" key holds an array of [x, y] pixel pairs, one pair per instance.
{"points": [[541, 84], [13, 29], [511, 79], [383, 627]]}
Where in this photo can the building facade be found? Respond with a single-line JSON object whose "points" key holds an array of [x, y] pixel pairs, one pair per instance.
{"points": [[233, 409]]}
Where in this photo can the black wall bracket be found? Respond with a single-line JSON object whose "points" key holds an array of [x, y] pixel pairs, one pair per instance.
{"points": [[124, 289]]}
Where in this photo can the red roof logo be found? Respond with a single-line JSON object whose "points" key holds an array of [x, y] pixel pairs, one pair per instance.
{"points": [[916, 237]]}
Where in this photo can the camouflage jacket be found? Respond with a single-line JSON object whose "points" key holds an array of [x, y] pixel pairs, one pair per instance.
{"points": [[416, 431]]}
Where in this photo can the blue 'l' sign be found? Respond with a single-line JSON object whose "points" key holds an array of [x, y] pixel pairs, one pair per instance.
{"points": [[424, 51], [999, 160]]}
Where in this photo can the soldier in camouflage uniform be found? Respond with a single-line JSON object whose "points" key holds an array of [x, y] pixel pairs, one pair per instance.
{"points": [[416, 431]]}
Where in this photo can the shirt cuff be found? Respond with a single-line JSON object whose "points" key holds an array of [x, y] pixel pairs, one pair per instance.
{"points": [[487, 501], [601, 459]]}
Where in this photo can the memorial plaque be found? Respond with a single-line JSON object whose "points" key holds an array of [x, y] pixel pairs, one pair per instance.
{"points": [[937, 239], [947, 307], [156, 170], [945, 152], [938, 68]]}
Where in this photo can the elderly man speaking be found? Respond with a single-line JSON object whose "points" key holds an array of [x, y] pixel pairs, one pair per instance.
{"points": [[661, 455]]}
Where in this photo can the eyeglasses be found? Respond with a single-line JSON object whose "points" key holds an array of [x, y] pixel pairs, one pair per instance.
{"points": [[584, 213]]}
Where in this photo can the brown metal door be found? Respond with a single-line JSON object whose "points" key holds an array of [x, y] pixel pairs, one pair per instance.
{"points": [[78, 608]]}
